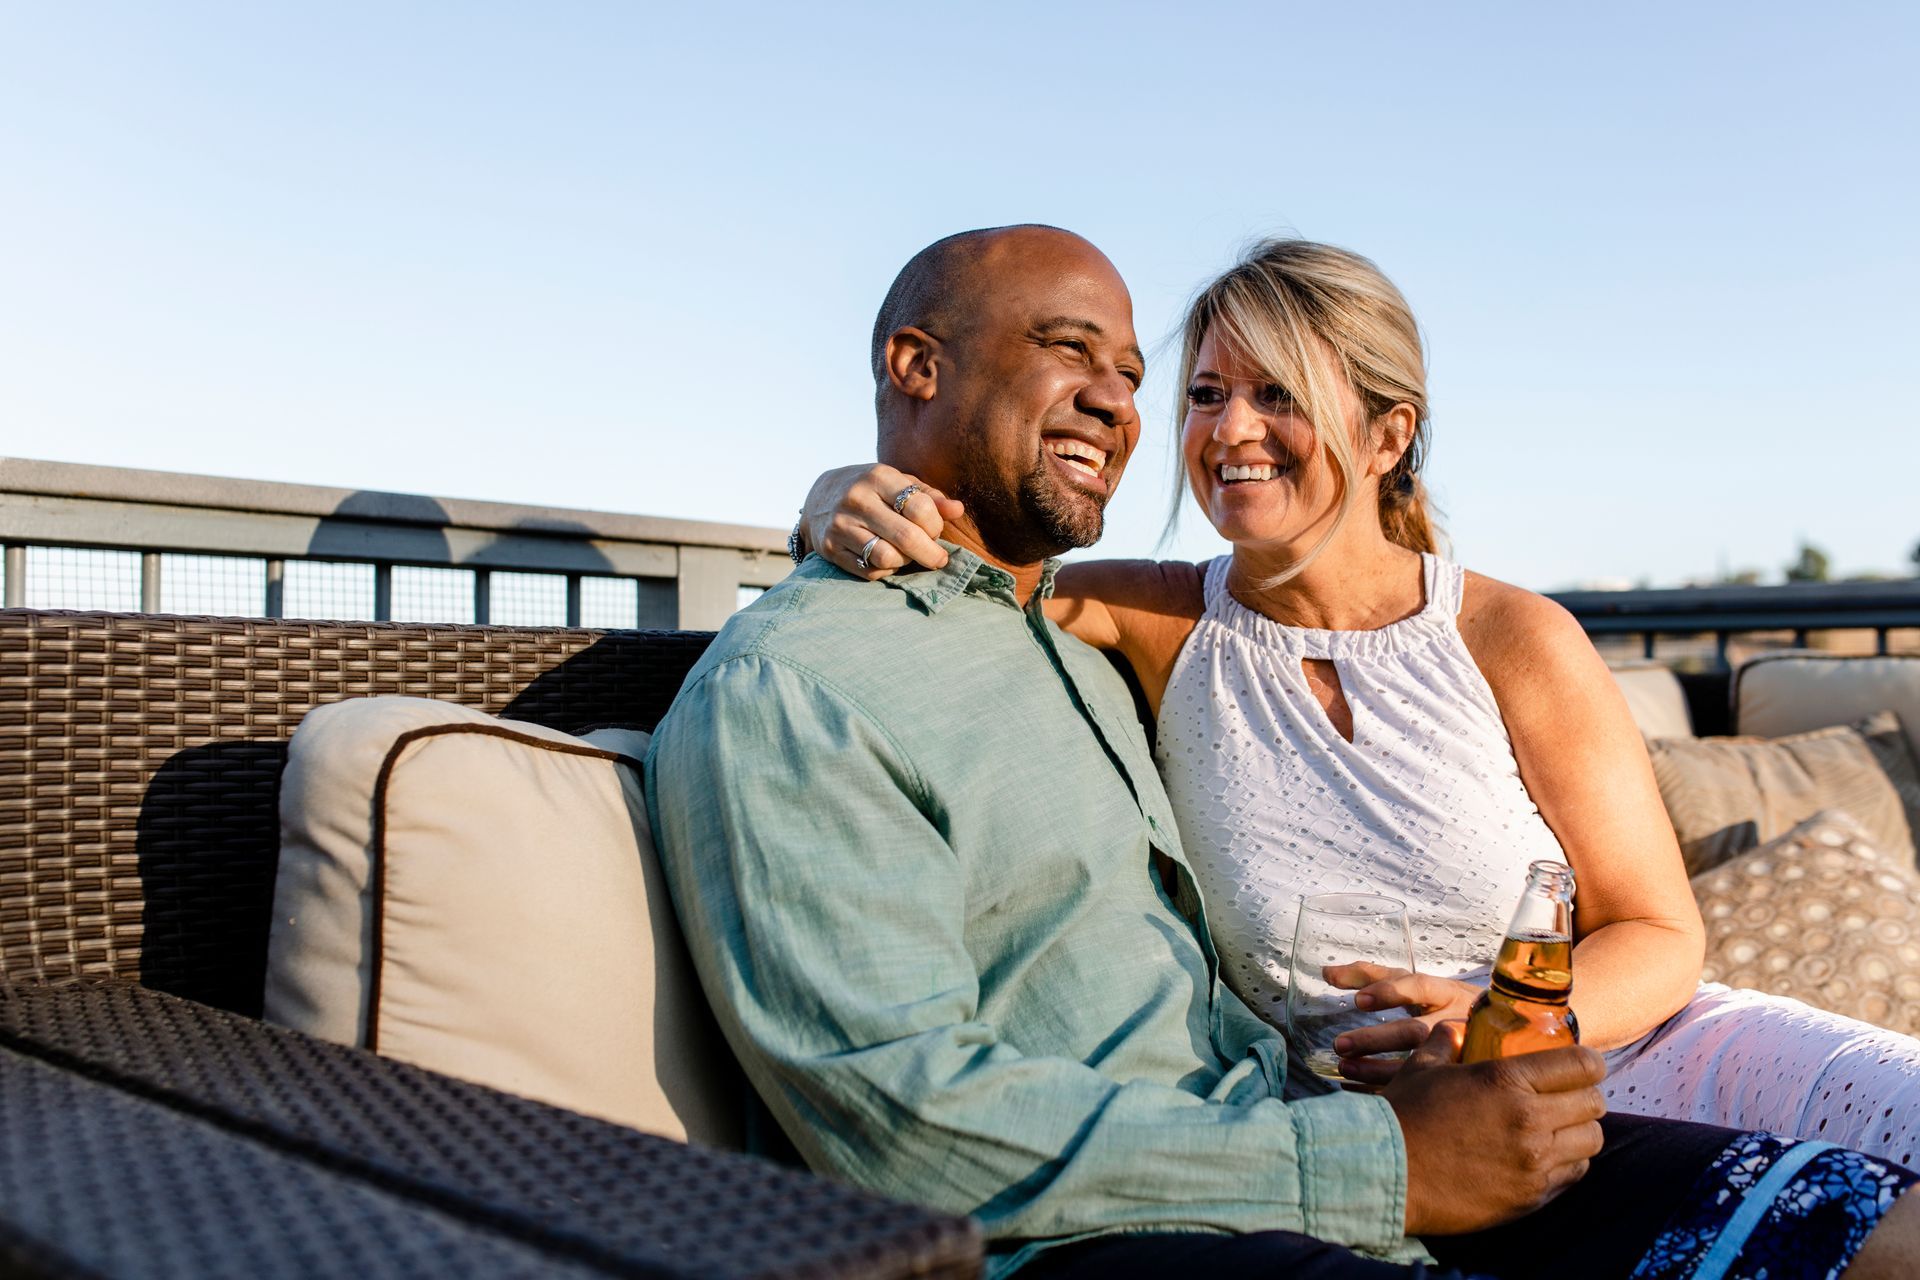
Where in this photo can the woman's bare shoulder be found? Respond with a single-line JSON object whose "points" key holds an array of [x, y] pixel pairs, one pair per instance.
{"points": [[1520, 635]]}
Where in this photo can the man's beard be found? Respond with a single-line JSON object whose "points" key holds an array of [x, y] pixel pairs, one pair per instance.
{"points": [[1038, 518]]}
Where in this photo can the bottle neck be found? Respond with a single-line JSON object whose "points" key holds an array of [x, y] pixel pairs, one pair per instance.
{"points": [[1546, 906]]}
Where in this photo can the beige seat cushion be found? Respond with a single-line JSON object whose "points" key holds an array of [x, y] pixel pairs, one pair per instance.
{"points": [[1823, 916], [1726, 795], [1654, 696], [481, 897]]}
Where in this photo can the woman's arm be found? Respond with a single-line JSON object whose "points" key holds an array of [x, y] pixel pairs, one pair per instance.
{"points": [[1142, 608], [1638, 936]]}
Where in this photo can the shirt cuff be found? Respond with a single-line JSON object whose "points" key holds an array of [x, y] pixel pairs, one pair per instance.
{"points": [[1353, 1171]]}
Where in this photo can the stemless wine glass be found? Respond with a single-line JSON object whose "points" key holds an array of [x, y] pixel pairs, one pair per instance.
{"points": [[1334, 929]]}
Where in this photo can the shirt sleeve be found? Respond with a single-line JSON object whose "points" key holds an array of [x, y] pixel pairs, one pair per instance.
{"points": [[825, 913]]}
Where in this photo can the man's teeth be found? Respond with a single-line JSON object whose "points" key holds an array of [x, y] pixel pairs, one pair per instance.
{"points": [[1080, 456], [1259, 471]]}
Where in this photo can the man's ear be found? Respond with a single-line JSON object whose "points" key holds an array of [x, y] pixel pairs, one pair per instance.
{"points": [[1395, 435], [913, 363]]}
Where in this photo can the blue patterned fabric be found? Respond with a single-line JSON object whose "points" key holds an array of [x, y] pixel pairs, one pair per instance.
{"points": [[1769, 1208]]}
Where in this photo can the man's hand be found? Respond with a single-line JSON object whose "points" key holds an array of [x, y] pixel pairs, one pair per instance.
{"points": [[1489, 1142]]}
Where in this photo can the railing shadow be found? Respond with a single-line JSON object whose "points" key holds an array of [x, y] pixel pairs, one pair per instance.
{"points": [[625, 679], [207, 844]]}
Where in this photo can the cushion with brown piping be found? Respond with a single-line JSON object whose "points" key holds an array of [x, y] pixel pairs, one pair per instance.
{"points": [[481, 897]]}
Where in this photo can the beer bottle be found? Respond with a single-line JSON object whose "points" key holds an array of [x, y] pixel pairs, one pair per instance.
{"points": [[1526, 1006]]}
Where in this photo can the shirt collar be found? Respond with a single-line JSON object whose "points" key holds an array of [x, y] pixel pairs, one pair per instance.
{"points": [[966, 573]]}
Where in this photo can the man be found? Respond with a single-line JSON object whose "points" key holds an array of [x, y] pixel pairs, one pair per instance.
{"points": [[936, 896]]}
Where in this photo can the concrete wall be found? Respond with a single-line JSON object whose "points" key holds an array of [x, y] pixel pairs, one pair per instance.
{"points": [[689, 571]]}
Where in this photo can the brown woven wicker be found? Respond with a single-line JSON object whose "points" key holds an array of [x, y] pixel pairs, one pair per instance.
{"points": [[587, 1194], [140, 763], [98, 1182]]}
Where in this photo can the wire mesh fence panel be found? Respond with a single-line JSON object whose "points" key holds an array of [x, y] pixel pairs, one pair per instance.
{"points": [[659, 602], [328, 589], [235, 586], [432, 595], [82, 578], [527, 599], [609, 602]]}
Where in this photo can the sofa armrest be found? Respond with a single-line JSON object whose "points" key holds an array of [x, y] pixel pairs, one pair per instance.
{"points": [[584, 1192]]}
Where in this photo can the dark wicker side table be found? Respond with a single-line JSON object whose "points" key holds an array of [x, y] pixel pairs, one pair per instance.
{"points": [[144, 1135]]}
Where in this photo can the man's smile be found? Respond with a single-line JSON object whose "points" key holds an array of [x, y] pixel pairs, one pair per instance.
{"points": [[1080, 462]]}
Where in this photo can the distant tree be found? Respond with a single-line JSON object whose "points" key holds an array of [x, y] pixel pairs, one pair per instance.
{"points": [[1741, 578], [1915, 557], [1812, 566]]}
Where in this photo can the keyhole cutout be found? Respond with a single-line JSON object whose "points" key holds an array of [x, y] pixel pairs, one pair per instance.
{"points": [[1323, 678]]}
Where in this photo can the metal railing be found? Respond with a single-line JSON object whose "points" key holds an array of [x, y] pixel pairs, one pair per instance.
{"points": [[156, 542], [1795, 613], [107, 538]]}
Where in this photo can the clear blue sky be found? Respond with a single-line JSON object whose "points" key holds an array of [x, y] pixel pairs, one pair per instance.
{"points": [[626, 257]]}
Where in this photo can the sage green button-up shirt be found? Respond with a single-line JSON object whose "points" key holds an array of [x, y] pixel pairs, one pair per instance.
{"points": [[908, 829]]}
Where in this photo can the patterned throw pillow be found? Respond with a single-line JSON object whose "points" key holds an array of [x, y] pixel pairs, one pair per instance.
{"points": [[1726, 795], [1820, 915]]}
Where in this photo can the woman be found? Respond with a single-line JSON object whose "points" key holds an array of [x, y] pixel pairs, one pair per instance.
{"points": [[1339, 708]]}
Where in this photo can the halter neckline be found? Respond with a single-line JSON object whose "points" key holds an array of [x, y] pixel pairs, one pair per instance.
{"points": [[1436, 618]]}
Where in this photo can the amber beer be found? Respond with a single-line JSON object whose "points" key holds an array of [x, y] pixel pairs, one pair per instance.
{"points": [[1526, 1006]]}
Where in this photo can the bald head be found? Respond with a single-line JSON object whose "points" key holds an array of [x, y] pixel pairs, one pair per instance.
{"points": [[998, 355], [941, 288]]}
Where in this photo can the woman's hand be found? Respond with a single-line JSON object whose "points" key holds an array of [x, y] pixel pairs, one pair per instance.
{"points": [[1427, 1000], [851, 507]]}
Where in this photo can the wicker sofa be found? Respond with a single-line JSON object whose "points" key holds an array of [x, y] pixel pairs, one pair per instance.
{"points": [[140, 766]]}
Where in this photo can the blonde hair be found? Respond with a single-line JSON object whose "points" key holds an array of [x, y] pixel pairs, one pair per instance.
{"points": [[1304, 314]]}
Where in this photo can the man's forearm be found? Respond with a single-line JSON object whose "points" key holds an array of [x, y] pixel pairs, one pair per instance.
{"points": [[1044, 1147]]}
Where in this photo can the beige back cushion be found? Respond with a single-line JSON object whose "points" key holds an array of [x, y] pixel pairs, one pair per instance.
{"points": [[1726, 795], [1796, 692], [1655, 698], [481, 897]]}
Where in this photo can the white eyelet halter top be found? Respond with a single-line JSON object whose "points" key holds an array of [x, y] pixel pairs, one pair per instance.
{"points": [[1425, 804]]}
